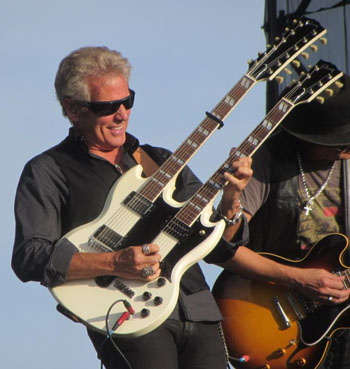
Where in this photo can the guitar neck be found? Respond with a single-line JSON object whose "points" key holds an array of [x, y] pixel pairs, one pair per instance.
{"points": [[176, 162], [189, 213]]}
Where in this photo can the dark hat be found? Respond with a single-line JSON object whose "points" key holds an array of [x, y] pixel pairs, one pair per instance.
{"points": [[323, 124]]}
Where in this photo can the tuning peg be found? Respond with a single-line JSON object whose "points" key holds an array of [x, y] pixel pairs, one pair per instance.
{"points": [[314, 48], [310, 67], [268, 46], [287, 29], [320, 99], [339, 84], [302, 74], [329, 92], [260, 53], [279, 79], [323, 40], [250, 61], [305, 55], [296, 63], [277, 38], [288, 71], [295, 21]]}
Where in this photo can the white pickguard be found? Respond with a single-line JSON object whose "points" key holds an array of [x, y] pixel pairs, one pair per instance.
{"points": [[90, 303]]}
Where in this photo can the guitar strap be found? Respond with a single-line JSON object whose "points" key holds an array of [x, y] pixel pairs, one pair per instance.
{"points": [[346, 187], [148, 164]]}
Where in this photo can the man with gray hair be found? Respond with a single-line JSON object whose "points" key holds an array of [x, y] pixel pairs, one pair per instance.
{"points": [[66, 187]]}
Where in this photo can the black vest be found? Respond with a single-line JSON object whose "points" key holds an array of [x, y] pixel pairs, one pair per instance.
{"points": [[273, 228]]}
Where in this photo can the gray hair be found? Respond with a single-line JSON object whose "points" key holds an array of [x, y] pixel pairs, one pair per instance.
{"points": [[74, 71]]}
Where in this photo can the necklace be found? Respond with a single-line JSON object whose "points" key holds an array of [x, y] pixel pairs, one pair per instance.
{"points": [[310, 199]]}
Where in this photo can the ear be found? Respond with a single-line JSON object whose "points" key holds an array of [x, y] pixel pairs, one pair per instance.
{"points": [[71, 110]]}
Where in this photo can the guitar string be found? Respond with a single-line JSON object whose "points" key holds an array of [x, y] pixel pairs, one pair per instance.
{"points": [[259, 133], [254, 133], [207, 192]]}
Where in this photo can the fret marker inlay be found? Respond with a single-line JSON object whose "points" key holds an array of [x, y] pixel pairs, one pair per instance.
{"points": [[229, 100], [267, 125], [203, 131]]}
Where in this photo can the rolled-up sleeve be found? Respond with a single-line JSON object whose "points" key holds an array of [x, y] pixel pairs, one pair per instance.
{"points": [[41, 194]]}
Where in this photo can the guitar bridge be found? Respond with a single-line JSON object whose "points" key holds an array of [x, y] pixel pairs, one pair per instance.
{"points": [[295, 306]]}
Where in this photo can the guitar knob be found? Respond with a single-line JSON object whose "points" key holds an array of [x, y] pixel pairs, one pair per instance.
{"points": [[281, 352], [161, 282], [145, 313], [300, 363], [158, 300], [266, 366], [146, 296]]}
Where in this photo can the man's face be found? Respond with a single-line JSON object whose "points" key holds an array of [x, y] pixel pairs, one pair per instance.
{"points": [[324, 153], [105, 133]]}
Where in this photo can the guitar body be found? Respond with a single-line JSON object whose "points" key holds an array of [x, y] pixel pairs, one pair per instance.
{"points": [[89, 302], [254, 326]]}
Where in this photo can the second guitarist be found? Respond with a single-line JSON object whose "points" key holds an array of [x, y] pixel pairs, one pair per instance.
{"points": [[298, 195]]}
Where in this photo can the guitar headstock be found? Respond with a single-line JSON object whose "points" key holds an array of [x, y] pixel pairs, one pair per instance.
{"points": [[289, 45], [318, 83]]}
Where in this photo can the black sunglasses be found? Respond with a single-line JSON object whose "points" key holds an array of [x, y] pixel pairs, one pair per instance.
{"points": [[102, 108]]}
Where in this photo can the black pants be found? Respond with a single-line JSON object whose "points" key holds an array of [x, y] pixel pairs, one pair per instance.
{"points": [[173, 345]]}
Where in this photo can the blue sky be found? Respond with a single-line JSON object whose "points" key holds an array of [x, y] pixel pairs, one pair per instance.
{"points": [[186, 55]]}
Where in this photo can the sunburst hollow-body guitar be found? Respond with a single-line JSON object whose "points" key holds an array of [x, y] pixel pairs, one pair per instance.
{"points": [[271, 327]]}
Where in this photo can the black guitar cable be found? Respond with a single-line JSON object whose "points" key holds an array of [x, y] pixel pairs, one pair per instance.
{"points": [[117, 324]]}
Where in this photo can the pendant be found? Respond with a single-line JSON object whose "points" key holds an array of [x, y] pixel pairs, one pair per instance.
{"points": [[308, 207]]}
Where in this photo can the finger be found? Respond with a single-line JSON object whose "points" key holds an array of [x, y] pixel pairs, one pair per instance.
{"points": [[335, 283], [242, 162], [148, 249]]}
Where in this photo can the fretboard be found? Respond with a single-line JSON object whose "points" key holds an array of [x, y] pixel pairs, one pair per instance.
{"points": [[175, 163], [189, 213]]}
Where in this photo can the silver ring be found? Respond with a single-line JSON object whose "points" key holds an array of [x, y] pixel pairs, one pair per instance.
{"points": [[145, 249], [330, 298], [147, 271]]}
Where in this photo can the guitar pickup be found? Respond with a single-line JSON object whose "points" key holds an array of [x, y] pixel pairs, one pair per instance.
{"points": [[139, 204], [106, 237]]}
